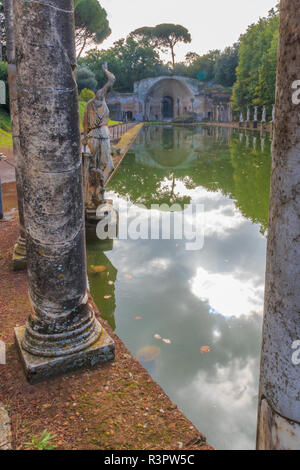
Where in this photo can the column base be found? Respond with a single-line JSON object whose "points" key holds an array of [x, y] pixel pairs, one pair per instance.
{"points": [[19, 259], [102, 214], [275, 432], [37, 369]]}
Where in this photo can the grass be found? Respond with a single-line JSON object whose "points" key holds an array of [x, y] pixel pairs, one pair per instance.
{"points": [[5, 130], [42, 442], [5, 126]]}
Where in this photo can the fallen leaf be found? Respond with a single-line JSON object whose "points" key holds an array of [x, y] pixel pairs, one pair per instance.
{"points": [[98, 269], [167, 341], [205, 349], [128, 276], [148, 353]]}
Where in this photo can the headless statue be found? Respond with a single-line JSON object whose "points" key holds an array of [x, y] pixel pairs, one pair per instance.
{"points": [[97, 138]]}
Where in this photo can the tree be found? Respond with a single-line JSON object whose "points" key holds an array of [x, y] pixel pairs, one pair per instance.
{"points": [[163, 36], [203, 67], [129, 60], [279, 411], [257, 64], [91, 24], [85, 79], [225, 66], [2, 33]]}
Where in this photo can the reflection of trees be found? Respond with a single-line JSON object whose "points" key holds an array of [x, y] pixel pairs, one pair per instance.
{"points": [[100, 282], [252, 180], [146, 185], [239, 172]]}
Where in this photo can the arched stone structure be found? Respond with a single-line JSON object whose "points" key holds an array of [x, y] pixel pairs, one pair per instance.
{"points": [[167, 97]]}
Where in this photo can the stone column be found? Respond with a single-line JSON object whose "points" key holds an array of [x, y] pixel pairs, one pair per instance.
{"points": [[61, 333], [19, 253], [279, 406]]}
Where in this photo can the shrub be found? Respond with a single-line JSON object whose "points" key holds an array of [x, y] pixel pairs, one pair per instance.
{"points": [[86, 95]]}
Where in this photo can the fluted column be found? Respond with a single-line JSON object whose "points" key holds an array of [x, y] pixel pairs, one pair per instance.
{"points": [[62, 323], [279, 408]]}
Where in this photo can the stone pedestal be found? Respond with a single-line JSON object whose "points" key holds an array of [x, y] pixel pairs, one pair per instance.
{"points": [[19, 260], [38, 368]]}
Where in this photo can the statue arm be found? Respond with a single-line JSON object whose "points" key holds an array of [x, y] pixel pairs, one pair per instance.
{"points": [[110, 79]]}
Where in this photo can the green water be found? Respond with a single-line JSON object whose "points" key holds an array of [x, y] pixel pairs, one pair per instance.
{"points": [[210, 297]]}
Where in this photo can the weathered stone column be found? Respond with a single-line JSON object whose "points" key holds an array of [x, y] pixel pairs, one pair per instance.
{"points": [[19, 253], [62, 333], [279, 405]]}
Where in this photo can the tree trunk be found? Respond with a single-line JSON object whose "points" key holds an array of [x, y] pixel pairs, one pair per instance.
{"points": [[173, 55], [62, 322], [279, 408], [19, 255]]}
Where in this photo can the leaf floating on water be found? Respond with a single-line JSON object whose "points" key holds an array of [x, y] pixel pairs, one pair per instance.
{"points": [[167, 341], [98, 269], [128, 276], [138, 318], [107, 297], [148, 353], [157, 336], [205, 349]]}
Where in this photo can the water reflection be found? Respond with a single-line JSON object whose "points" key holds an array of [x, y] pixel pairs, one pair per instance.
{"points": [[212, 297]]}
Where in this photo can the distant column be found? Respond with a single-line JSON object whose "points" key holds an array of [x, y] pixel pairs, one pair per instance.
{"points": [[19, 253], [61, 333], [279, 406]]}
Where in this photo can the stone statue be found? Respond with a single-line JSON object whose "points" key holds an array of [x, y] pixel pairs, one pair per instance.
{"points": [[273, 113], [99, 165], [248, 114], [264, 114], [255, 113]]}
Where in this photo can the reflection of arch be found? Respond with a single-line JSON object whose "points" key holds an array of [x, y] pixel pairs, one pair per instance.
{"points": [[167, 107], [163, 94]]}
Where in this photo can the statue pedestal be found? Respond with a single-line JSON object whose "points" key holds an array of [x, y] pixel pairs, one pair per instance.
{"points": [[19, 260], [38, 369], [94, 216]]}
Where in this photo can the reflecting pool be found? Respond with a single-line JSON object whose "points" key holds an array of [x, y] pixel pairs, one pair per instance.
{"points": [[193, 318]]}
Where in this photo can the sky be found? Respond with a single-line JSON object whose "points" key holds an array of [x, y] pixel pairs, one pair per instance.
{"points": [[213, 24]]}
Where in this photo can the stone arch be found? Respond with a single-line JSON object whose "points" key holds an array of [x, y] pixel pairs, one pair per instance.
{"points": [[171, 90]]}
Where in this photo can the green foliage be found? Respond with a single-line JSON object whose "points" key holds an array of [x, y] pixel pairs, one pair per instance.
{"points": [[163, 36], [256, 71], [4, 78], [42, 442], [202, 67], [85, 78], [91, 24], [225, 66], [128, 59], [2, 31], [5, 122], [87, 95]]}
